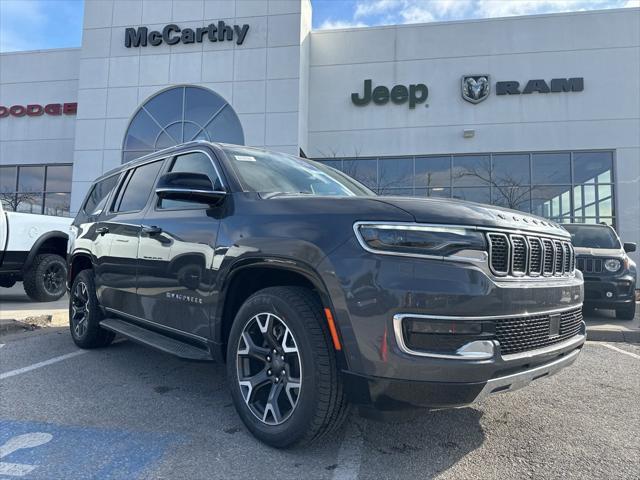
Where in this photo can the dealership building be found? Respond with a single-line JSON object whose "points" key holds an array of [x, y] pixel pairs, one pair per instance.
{"points": [[536, 113]]}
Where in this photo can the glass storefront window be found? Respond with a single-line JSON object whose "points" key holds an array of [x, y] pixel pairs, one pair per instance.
{"points": [[433, 171], [363, 170], [36, 188], [564, 186], [178, 115], [395, 173], [550, 168], [471, 170]]}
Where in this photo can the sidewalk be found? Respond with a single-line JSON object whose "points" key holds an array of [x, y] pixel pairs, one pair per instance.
{"points": [[15, 305]]}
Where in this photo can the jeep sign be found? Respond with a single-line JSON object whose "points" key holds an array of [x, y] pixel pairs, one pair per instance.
{"points": [[399, 94]]}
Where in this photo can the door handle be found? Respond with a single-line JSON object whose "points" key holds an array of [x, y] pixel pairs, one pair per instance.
{"points": [[153, 230], [102, 230]]}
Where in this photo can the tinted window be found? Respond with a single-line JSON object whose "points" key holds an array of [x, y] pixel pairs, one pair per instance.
{"points": [[196, 162], [592, 236], [139, 187], [98, 195]]}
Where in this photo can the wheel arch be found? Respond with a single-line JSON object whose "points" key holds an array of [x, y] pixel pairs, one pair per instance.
{"points": [[51, 242], [78, 263], [245, 279]]}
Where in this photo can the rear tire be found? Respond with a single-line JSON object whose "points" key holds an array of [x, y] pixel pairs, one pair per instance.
{"points": [[627, 312], [85, 314], [44, 281], [289, 320]]}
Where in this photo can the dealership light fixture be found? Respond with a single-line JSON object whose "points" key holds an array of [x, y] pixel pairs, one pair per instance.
{"points": [[468, 133]]}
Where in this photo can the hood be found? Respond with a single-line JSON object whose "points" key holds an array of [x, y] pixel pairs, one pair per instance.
{"points": [[599, 252], [459, 212]]}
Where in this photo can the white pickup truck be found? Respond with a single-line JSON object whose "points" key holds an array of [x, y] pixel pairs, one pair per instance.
{"points": [[33, 249]]}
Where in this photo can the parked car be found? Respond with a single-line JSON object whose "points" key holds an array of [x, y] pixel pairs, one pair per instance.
{"points": [[33, 250], [609, 274], [317, 293]]}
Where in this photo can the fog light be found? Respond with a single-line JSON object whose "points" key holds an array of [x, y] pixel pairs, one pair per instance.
{"points": [[444, 327], [609, 294]]}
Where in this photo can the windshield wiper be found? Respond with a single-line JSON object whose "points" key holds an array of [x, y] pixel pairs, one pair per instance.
{"points": [[280, 194]]}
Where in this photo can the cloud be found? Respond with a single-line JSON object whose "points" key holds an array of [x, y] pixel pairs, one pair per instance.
{"points": [[376, 12], [40, 24], [330, 24]]}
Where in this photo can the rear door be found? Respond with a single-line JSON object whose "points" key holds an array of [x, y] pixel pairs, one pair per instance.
{"points": [[120, 228], [177, 245]]}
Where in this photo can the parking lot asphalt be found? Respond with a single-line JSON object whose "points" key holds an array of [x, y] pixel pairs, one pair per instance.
{"points": [[128, 412]]}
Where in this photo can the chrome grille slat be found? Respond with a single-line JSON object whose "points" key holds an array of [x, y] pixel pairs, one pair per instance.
{"points": [[521, 334], [517, 255]]}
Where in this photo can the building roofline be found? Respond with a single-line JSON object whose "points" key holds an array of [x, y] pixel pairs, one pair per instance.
{"points": [[43, 50], [478, 20]]}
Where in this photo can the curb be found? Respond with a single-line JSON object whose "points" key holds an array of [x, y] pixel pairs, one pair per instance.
{"points": [[613, 335]]}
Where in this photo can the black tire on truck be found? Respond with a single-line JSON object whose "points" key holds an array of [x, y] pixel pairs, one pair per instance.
{"points": [[628, 312], [282, 368], [85, 314], [44, 280]]}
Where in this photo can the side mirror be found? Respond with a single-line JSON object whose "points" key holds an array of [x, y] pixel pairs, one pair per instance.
{"points": [[188, 187], [629, 247]]}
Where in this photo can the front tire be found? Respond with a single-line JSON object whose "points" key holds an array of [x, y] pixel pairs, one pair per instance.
{"points": [[282, 368], [44, 281], [628, 312], [85, 314]]}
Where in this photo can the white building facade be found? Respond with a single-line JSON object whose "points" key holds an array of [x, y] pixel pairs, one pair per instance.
{"points": [[537, 113]]}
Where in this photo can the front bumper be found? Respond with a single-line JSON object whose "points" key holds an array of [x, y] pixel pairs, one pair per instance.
{"points": [[609, 292], [393, 394]]}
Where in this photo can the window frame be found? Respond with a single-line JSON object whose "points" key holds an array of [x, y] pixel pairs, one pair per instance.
{"points": [[165, 169], [123, 184]]}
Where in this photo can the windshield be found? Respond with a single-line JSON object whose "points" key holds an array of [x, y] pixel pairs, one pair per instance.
{"points": [[592, 236], [272, 173]]}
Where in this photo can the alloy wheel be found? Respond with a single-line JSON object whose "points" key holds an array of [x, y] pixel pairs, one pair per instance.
{"points": [[79, 309], [269, 368], [53, 279]]}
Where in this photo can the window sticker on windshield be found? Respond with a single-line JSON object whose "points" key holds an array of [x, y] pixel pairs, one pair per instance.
{"points": [[245, 158]]}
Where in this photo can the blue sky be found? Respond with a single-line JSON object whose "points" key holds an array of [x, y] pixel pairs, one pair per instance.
{"points": [[40, 24]]}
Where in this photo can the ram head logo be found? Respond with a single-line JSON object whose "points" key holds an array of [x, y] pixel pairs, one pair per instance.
{"points": [[475, 88]]}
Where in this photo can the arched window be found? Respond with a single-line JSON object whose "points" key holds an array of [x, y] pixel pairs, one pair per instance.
{"points": [[177, 115]]}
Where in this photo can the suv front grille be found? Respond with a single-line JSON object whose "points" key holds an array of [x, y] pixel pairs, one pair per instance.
{"points": [[589, 264], [516, 255], [521, 334]]}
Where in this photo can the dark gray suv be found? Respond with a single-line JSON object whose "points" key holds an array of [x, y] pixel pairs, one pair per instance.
{"points": [[317, 293]]}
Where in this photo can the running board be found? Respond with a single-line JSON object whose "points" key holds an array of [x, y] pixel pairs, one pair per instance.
{"points": [[156, 340]]}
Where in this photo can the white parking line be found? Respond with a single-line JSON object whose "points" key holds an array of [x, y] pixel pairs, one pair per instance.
{"points": [[350, 453], [616, 349], [13, 373]]}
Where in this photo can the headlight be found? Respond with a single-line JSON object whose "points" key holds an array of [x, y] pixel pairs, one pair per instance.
{"points": [[418, 240], [612, 265]]}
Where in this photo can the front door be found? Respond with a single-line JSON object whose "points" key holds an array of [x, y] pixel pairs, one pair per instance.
{"points": [[175, 265], [120, 229]]}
